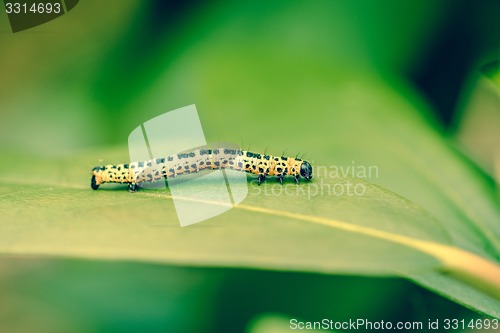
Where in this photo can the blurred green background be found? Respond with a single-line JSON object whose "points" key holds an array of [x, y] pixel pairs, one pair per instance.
{"points": [[395, 84]]}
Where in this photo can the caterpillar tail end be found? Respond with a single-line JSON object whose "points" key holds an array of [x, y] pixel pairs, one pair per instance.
{"points": [[93, 183]]}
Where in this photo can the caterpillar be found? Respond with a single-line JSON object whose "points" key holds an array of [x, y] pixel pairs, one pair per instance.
{"points": [[194, 161]]}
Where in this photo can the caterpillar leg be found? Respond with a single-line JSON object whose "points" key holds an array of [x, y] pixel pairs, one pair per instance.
{"points": [[296, 179], [132, 187], [261, 178], [280, 179]]}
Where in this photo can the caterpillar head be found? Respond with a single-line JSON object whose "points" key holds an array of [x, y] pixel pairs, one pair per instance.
{"points": [[96, 179], [306, 170]]}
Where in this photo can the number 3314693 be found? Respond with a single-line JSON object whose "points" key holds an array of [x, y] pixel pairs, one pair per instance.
{"points": [[35, 8]]}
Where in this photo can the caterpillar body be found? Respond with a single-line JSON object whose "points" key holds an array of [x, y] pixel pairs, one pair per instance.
{"points": [[202, 159]]}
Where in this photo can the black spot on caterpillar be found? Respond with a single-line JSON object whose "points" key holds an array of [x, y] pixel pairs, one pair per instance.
{"points": [[205, 159]]}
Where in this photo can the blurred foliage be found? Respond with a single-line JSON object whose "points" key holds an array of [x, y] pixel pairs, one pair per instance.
{"points": [[371, 82], [103, 296]]}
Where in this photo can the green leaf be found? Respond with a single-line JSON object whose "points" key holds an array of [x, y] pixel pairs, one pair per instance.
{"points": [[51, 211], [50, 215]]}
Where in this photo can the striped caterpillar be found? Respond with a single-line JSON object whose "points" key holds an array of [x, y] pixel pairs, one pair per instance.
{"points": [[201, 159]]}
